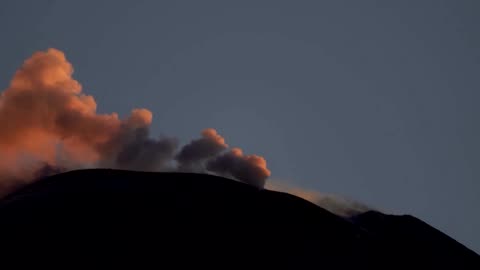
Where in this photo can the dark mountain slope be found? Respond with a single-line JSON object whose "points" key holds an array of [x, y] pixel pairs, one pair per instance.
{"points": [[414, 240], [177, 220]]}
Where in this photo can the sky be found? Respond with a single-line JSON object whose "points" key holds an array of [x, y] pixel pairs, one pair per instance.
{"points": [[372, 100]]}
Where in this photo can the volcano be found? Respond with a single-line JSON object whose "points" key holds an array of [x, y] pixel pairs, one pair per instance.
{"points": [[115, 218]]}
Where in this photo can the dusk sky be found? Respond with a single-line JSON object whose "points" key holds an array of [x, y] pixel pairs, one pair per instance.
{"points": [[373, 100]]}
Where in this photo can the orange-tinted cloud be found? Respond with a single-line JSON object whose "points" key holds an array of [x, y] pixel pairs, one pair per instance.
{"points": [[48, 122], [44, 106], [45, 117]]}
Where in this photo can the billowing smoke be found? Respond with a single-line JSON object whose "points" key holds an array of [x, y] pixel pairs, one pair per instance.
{"points": [[49, 125], [250, 169], [193, 155], [140, 152]]}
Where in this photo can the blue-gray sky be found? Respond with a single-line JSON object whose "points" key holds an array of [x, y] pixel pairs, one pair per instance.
{"points": [[374, 100]]}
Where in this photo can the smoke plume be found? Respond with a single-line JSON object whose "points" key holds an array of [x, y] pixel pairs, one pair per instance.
{"points": [[49, 125], [250, 169], [199, 150]]}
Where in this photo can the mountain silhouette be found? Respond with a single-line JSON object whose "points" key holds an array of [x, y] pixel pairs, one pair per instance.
{"points": [[114, 218]]}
